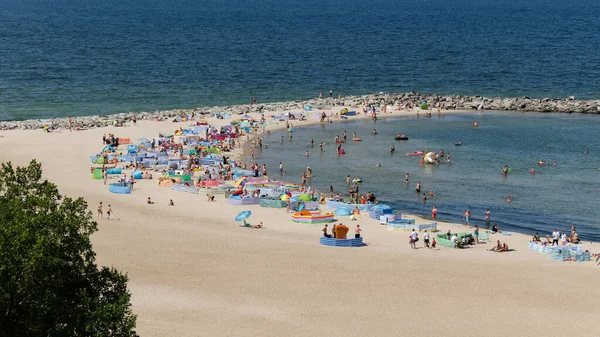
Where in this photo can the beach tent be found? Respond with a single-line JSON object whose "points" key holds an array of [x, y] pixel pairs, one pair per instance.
{"points": [[342, 211], [304, 197], [108, 148]]}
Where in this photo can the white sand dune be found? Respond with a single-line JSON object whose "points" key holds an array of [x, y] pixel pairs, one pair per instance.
{"points": [[194, 272]]}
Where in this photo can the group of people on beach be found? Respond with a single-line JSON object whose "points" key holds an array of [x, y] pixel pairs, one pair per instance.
{"points": [[557, 238], [336, 234]]}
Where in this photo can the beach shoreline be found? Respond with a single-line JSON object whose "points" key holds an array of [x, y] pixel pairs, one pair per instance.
{"points": [[193, 271]]}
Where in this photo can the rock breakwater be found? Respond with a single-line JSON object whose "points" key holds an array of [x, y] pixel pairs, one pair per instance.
{"points": [[412, 99]]}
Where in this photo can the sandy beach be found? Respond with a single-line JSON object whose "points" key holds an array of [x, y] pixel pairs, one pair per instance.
{"points": [[194, 272]]}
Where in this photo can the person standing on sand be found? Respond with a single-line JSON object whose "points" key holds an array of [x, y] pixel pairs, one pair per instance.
{"points": [[287, 205], [426, 240], [333, 231], [414, 237], [104, 175], [325, 234], [357, 231], [476, 234], [99, 215], [108, 212], [555, 237]]}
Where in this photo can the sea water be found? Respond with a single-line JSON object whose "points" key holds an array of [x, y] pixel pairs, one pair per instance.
{"points": [[555, 197], [74, 58]]}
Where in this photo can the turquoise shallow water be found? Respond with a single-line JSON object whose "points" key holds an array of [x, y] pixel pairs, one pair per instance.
{"points": [[74, 58], [555, 196]]}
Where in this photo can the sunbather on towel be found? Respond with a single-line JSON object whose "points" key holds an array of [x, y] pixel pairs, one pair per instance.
{"points": [[497, 247]]}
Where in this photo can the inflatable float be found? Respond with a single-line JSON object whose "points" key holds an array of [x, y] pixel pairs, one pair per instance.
{"points": [[357, 139], [430, 158], [357, 180], [341, 152], [418, 153], [305, 216]]}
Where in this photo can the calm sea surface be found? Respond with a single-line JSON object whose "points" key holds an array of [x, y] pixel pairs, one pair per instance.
{"points": [[556, 196], [68, 58]]}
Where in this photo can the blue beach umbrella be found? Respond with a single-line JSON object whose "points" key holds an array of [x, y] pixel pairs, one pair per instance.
{"points": [[243, 216]]}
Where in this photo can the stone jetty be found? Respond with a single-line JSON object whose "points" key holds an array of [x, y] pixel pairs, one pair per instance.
{"points": [[448, 102]]}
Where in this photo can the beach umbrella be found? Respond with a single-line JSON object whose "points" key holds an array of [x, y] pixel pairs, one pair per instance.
{"points": [[242, 216], [304, 197], [284, 197], [342, 211]]}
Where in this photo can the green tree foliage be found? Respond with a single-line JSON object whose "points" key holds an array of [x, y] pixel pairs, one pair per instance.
{"points": [[50, 284]]}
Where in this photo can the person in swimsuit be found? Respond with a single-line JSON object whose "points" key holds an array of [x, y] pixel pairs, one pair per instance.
{"points": [[357, 231], [325, 234], [467, 217], [99, 215], [476, 234], [108, 212], [434, 212]]}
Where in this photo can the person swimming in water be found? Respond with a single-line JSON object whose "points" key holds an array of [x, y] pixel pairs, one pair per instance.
{"points": [[392, 149], [378, 165], [374, 132]]}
